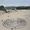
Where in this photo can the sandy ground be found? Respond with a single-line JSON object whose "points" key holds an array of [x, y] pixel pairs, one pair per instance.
{"points": [[25, 14]]}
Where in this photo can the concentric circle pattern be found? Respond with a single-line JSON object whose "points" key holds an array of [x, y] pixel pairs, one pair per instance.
{"points": [[14, 23]]}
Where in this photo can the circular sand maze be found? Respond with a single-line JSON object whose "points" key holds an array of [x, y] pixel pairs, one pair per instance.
{"points": [[19, 23]]}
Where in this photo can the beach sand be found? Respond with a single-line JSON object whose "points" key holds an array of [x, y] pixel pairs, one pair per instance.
{"points": [[24, 14]]}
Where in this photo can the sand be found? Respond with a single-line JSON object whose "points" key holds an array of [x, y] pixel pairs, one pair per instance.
{"points": [[24, 14]]}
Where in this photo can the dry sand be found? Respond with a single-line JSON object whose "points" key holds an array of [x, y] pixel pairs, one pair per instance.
{"points": [[25, 14]]}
